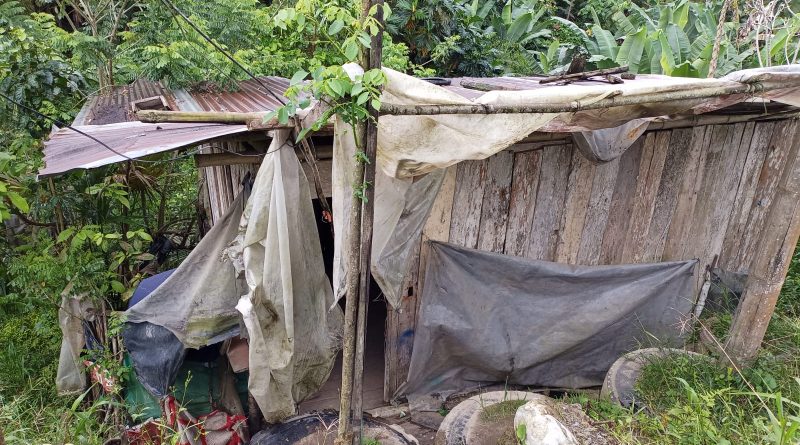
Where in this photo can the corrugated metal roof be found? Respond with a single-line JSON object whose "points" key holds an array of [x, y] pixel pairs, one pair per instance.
{"points": [[109, 117], [250, 97], [114, 106], [67, 150]]}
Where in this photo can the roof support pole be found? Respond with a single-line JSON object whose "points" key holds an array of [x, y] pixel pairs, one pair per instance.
{"points": [[360, 250], [609, 99], [345, 433], [769, 266], [368, 214]]}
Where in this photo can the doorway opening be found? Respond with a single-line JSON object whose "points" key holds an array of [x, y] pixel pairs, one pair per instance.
{"points": [[374, 363]]}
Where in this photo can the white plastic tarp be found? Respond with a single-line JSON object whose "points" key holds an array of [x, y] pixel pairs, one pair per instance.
{"points": [[412, 145], [609, 143], [294, 333], [197, 302], [71, 378], [401, 208]]}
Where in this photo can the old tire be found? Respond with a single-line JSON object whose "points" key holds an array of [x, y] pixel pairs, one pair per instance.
{"points": [[457, 426], [619, 384]]}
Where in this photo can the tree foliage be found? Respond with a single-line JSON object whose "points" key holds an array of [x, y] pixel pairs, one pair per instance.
{"points": [[99, 231]]}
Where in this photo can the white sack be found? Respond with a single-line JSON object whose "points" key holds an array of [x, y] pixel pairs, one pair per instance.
{"points": [[70, 377], [293, 335]]}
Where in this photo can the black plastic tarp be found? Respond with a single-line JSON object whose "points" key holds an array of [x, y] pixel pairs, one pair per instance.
{"points": [[492, 318]]}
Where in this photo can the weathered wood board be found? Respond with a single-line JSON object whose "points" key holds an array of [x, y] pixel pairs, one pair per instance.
{"points": [[704, 192], [701, 192]]}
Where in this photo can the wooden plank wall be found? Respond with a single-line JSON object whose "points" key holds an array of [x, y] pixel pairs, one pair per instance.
{"points": [[676, 194], [223, 183]]}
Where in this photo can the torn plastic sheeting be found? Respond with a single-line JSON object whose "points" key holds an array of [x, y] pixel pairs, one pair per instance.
{"points": [[293, 335], [156, 355], [401, 208], [70, 377], [488, 318], [197, 302], [605, 145], [412, 145]]}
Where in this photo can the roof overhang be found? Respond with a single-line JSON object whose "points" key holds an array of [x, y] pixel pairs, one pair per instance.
{"points": [[69, 150]]}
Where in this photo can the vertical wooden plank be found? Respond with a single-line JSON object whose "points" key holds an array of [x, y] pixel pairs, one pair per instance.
{"points": [[715, 157], [776, 245], [718, 194], [676, 164], [603, 184], [468, 199], [549, 205], [651, 167], [579, 192], [681, 224], [619, 214], [522, 204], [437, 227], [401, 322], [745, 193], [494, 210], [765, 191]]}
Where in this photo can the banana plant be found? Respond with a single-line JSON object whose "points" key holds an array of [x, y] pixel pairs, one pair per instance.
{"points": [[675, 39]]}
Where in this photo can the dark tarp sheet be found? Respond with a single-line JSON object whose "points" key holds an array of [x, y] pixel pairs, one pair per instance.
{"points": [[156, 354], [489, 318]]}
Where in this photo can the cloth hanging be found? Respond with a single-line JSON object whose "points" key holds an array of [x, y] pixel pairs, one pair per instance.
{"points": [[294, 333], [401, 208], [493, 318], [197, 302], [70, 377]]}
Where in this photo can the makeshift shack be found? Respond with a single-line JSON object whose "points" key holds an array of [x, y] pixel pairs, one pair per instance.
{"points": [[526, 233]]}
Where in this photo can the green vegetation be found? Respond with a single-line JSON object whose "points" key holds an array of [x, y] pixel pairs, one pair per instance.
{"points": [[501, 410], [96, 233], [689, 400]]}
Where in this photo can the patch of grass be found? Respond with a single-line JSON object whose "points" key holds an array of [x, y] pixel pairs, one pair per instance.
{"points": [[502, 410], [30, 410], [692, 400]]}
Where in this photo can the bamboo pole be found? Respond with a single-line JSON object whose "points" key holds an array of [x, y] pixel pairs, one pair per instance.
{"points": [[345, 435], [368, 207], [218, 117], [769, 266], [613, 98], [358, 267], [584, 74]]}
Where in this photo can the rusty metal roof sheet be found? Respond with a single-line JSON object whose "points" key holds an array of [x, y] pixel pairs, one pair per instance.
{"points": [[109, 117], [67, 150], [250, 97]]}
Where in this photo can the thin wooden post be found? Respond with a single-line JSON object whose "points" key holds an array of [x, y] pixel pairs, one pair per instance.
{"points": [[368, 207], [769, 265], [345, 433], [358, 267]]}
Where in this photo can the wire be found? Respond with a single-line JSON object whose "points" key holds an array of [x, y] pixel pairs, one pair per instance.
{"points": [[65, 125], [208, 39]]}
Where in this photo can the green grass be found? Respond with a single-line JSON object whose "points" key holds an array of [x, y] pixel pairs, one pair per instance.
{"points": [[30, 410], [692, 401], [501, 410]]}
